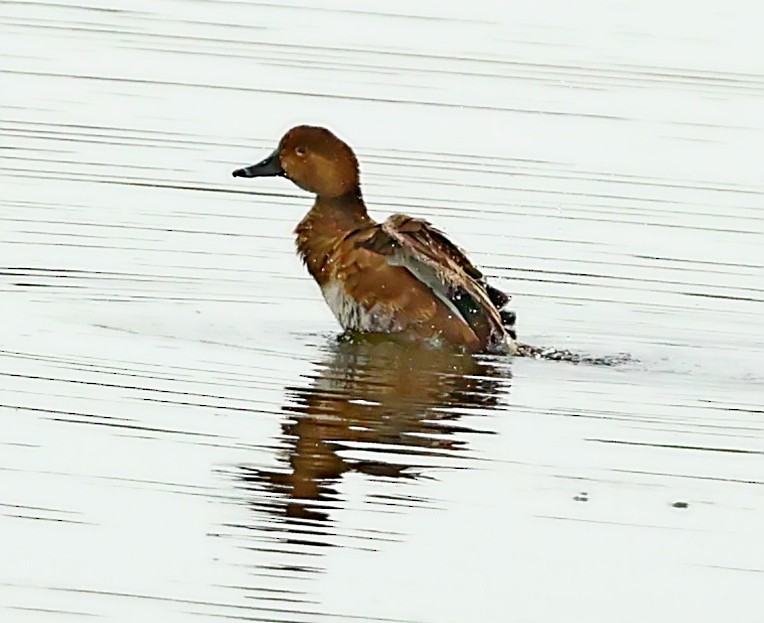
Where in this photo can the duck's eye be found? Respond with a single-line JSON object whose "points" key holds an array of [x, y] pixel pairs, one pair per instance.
{"points": [[301, 151]]}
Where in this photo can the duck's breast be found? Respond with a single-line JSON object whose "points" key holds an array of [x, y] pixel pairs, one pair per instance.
{"points": [[352, 315]]}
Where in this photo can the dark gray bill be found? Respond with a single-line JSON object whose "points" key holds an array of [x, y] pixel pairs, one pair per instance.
{"points": [[267, 168]]}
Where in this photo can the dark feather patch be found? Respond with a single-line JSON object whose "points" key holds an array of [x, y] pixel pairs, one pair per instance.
{"points": [[468, 307], [498, 298]]}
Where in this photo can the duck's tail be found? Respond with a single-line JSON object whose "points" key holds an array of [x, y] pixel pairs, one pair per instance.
{"points": [[508, 317]]}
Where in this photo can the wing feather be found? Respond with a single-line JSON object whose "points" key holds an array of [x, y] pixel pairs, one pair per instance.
{"points": [[433, 259]]}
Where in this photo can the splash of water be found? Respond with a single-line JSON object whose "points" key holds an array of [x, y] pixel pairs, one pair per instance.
{"points": [[563, 354]]}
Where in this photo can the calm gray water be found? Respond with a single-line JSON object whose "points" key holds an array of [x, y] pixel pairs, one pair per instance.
{"points": [[184, 438]]}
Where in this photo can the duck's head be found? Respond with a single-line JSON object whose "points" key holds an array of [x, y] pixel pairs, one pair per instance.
{"points": [[314, 159]]}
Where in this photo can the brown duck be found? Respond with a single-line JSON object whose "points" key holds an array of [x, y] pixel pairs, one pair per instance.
{"points": [[402, 276]]}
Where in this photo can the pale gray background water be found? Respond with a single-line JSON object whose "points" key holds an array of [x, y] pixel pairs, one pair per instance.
{"points": [[167, 369]]}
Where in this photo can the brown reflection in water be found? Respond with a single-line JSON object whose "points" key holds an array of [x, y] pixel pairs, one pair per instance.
{"points": [[389, 399]]}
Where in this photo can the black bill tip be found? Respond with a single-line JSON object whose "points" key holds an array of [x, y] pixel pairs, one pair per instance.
{"points": [[269, 167]]}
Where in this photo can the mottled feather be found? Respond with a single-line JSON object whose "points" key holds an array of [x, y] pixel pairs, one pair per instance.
{"points": [[443, 267]]}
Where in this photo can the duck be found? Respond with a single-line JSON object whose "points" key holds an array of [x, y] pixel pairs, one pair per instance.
{"points": [[401, 276]]}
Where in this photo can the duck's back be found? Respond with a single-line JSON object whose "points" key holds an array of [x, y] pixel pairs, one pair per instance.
{"points": [[433, 259]]}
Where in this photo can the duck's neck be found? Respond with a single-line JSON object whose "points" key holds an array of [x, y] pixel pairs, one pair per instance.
{"points": [[329, 220]]}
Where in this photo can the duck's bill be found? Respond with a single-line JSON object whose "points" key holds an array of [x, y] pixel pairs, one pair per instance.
{"points": [[269, 167]]}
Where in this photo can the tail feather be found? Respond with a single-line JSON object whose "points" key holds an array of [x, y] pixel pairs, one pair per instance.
{"points": [[508, 319], [498, 298]]}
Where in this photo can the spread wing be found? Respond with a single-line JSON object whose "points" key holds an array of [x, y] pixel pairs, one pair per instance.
{"points": [[437, 262]]}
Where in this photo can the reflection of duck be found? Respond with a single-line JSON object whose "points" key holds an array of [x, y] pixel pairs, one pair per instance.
{"points": [[402, 276], [380, 396]]}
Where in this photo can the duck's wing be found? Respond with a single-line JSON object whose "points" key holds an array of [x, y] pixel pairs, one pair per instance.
{"points": [[445, 269]]}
